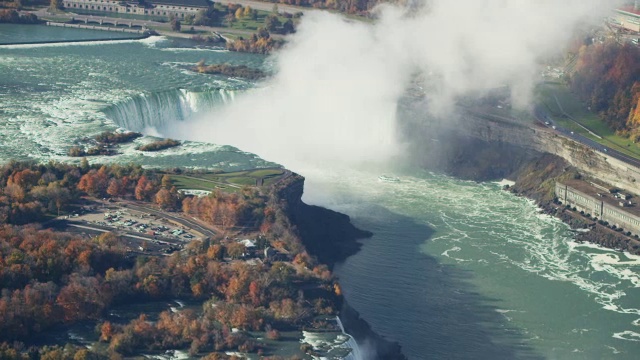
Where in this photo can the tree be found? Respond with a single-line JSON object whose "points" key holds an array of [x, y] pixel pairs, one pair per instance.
{"points": [[164, 199], [263, 33], [55, 5], [84, 164], [115, 188], [272, 22], [236, 250], [107, 239], [288, 27], [230, 19], [201, 18], [247, 11], [106, 331], [239, 13], [175, 25], [275, 9], [144, 188], [166, 181]]}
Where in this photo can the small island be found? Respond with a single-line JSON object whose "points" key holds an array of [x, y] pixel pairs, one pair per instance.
{"points": [[102, 144], [241, 71], [159, 145]]}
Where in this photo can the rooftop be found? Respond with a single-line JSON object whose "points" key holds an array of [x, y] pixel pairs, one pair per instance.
{"points": [[607, 197], [188, 3]]}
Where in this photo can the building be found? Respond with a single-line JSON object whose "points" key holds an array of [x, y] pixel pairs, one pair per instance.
{"points": [[605, 207], [163, 8], [628, 17]]}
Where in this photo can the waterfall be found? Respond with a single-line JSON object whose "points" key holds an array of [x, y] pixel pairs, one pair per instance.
{"points": [[355, 354], [153, 111]]}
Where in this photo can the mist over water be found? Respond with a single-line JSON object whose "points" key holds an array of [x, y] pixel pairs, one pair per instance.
{"points": [[333, 98]]}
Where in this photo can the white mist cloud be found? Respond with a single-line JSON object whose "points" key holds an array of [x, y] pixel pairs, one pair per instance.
{"points": [[334, 95]]}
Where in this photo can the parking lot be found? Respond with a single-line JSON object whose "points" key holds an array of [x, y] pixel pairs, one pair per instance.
{"points": [[141, 231]]}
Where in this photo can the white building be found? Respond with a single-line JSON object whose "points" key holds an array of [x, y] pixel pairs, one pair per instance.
{"points": [[164, 8]]}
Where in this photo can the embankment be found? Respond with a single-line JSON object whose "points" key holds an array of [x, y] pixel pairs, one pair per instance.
{"points": [[132, 37], [535, 157], [332, 238]]}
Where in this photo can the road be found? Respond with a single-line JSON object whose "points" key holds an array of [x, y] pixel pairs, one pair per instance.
{"points": [[547, 121]]}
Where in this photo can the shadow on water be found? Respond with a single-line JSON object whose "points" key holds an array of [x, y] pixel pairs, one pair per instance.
{"points": [[432, 309]]}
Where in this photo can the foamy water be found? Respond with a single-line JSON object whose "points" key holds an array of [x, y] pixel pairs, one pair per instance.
{"points": [[563, 299], [52, 95]]}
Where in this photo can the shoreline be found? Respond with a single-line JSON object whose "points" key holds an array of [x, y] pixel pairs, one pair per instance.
{"points": [[142, 37], [532, 182]]}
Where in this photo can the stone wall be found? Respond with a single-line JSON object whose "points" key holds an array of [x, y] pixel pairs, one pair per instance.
{"points": [[544, 140]]}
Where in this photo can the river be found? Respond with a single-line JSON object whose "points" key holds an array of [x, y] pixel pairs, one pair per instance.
{"points": [[455, 269]]}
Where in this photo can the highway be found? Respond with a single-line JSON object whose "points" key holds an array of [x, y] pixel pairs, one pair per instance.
{"points": [[547, 121]]}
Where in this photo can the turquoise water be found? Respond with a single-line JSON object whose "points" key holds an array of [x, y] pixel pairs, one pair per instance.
{"points": [[455, 269], [53, 95], [459, 269], [11, 34]]}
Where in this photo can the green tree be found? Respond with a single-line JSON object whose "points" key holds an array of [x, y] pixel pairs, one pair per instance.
{"points": [[272, 22], [288, 27]]}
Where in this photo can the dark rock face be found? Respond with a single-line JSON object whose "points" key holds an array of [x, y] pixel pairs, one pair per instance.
{"points": [[327, 234], [332, 238], [473, 159]]}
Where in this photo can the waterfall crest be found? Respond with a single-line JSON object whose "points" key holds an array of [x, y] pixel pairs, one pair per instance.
{"points": [[149, 112], [355, 354]]}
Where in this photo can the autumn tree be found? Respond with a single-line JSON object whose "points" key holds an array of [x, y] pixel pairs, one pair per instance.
{"points": [[144, 189], [239, 14], [165, 199]]}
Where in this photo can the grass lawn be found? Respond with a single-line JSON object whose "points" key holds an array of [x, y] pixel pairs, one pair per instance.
{"points": [[568, 103], [266, 172], [232, 181], [181, 182], [247, 23]]}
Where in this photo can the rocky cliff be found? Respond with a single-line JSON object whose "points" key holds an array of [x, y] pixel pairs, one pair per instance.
{"points": [[535, 157], [332, 238], [482, 147]]}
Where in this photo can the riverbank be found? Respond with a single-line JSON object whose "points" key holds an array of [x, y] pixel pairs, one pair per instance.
{"points": [[332, 238], [139, 37], [536, 181]]}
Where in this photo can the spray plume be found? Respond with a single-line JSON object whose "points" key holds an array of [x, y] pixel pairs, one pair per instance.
{"points": [[334, 95]]}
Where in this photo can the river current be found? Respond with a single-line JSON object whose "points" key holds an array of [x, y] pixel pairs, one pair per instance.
{"points": [[455, 269]]}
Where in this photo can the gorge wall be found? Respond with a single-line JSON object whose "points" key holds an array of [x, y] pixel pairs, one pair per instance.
{"points": [[481, 148], [331, 237]]}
